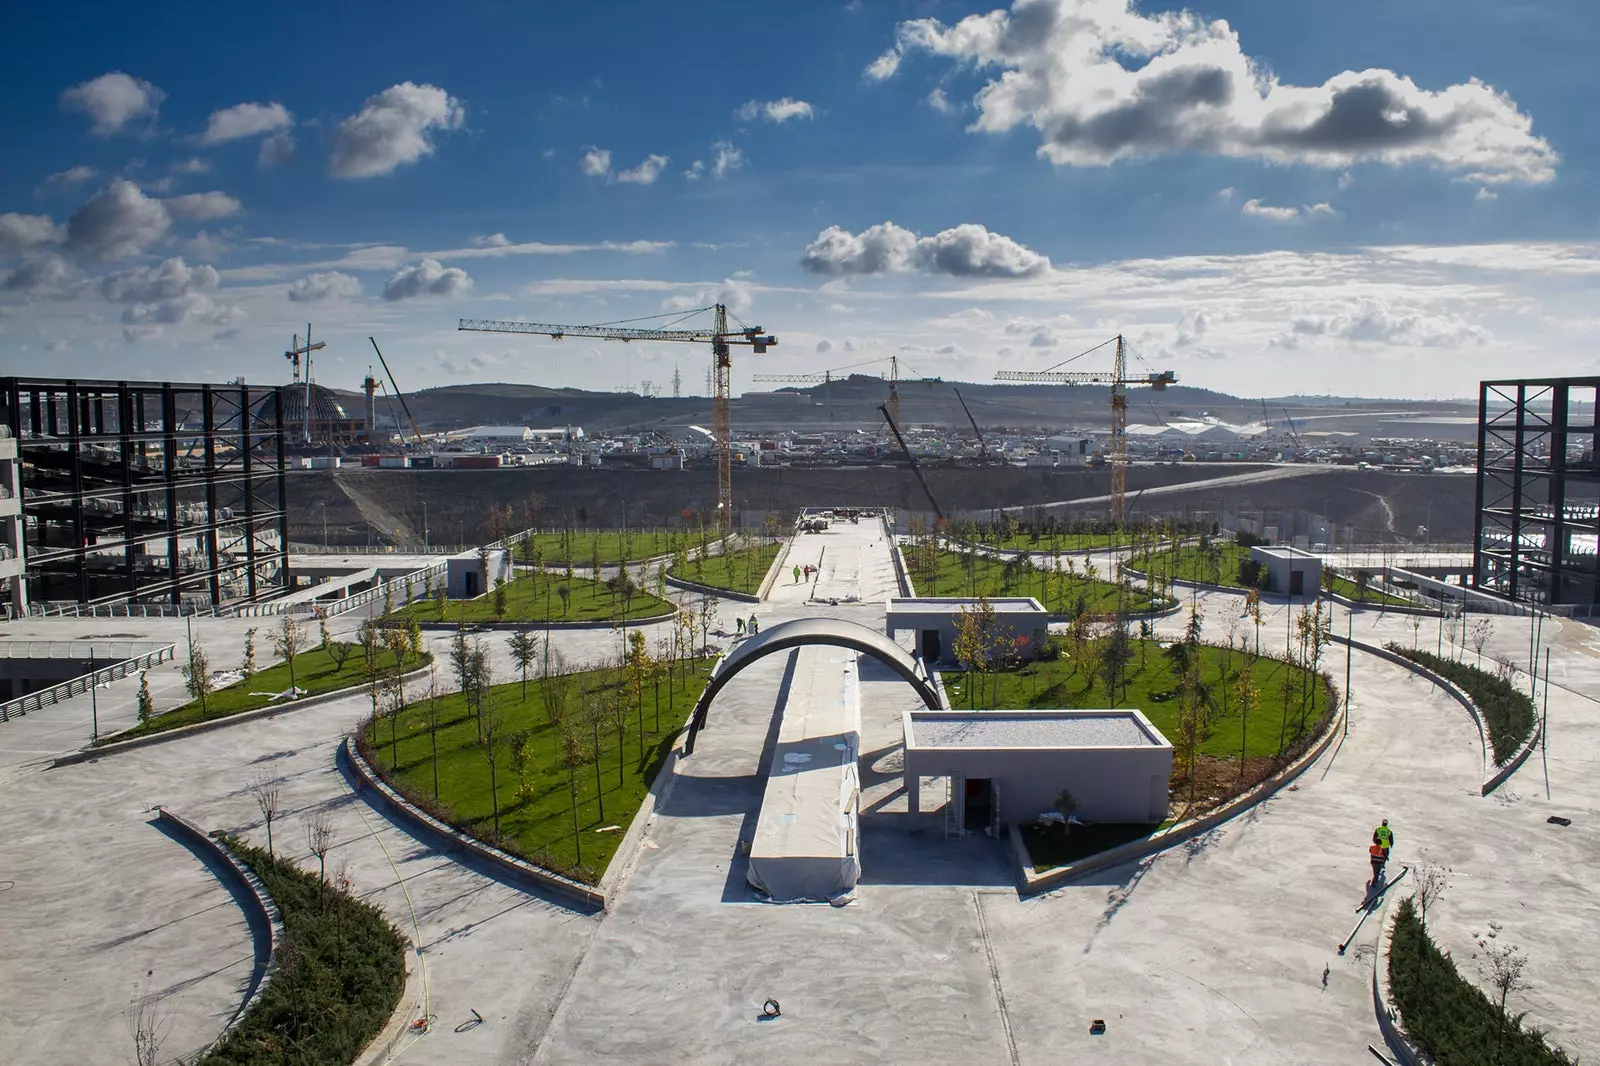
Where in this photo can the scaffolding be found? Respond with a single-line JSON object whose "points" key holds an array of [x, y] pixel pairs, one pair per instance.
{"points": [[149, 493], [1537, 528]]}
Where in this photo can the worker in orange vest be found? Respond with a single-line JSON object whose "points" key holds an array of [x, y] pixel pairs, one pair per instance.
{"points": [[1379, 856]]}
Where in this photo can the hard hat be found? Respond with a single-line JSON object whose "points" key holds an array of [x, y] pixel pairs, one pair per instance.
{"points": [[1386, 821]]}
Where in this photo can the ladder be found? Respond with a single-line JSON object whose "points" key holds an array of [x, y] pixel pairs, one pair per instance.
{"points": [[953, 787]]}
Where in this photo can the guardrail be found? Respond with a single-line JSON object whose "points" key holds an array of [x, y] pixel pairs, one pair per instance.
{"points": [[116, 610], [37, 701]]}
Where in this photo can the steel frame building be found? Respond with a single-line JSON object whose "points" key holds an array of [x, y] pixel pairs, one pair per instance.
{"points": [[1538, 492], [143, 492]]}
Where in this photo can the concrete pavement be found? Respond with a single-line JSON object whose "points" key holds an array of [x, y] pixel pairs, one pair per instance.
{"points": [[1213, 951]]}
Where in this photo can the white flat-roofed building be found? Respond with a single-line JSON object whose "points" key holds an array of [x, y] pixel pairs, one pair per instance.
{"points": [[933, 619], [1006, 767]]}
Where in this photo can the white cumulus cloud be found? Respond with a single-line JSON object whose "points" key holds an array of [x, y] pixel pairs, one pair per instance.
{"points": [[23, 233], [427, 278], [113, 100], [393, 128], [245, 120], [646, 172], [116, 222], [967, 250], [329, 285], [490, 240], [276, 150], [201, 206], [172, 279], [725, 159], [774, 111], [64, 179], [1256, 209], [1101, 82], [596, 162]]}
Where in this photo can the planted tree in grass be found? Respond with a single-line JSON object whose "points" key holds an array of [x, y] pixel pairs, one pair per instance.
{"points": [[197, 676], [147, 704], [398, 643], [324, 637], [441, 600], [430, 711], [288, 642], [706, 617], [1249, 700], [593, 714], [572, 757], [340, 651], [1502, 966], [267, 793], [372, 668], [414, 636], [490, 725], [524, 647], [565, 592], [247, 663], [616, 709], [499, 598]]}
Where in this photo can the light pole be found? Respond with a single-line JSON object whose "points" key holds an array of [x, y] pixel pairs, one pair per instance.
{"points": [[94, 706], [1349, 654], [424, 524], [324, 523]]}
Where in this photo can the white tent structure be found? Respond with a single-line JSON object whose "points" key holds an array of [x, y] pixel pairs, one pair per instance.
{"points": [[806, 840]]}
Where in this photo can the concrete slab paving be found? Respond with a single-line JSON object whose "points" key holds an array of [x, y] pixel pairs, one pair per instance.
{"points": [[1213, 951]]}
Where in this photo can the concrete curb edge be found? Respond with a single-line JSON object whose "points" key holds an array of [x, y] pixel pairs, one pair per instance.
{"points": [[1382, 1004], [267, 914], [711, 590], [512, 627], [412, 1005], [518, 869], [1177, 834], [116, 747]]}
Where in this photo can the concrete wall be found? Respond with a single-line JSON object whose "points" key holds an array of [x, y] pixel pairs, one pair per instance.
{"points": [[1111, 784], [464, 577], [1279, 570], [1030, 624]]}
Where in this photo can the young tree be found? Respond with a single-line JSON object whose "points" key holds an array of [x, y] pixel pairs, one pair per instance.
{"points": [[388, 598], [419, 646], [593, 711], [490, 724], [267, 792], [1066, 805], [147, 704], [1416, 625], [247, 664], [319, 841], [1249, 697], [430, 711], [340, 651], [971, 646], [441, 600], [1479, 635], [398, 642], [372, 668], [148, 1025], [324, 637], [572, 757], [565, 592], [499, 600], [524, 647], [197, 676], [1502, 966], [707, 617], [288, 642]]}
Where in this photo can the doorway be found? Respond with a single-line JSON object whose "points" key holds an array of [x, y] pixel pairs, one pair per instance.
{"points": [[932, 648], [1297, 582], [979, 805], [471, 580]]}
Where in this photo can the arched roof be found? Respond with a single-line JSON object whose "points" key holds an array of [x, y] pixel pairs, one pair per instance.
{"points": [[803, 631]]}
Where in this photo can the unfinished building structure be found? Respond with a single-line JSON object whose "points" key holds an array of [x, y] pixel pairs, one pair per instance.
{"points": [[1538, 492], [149, 493]]}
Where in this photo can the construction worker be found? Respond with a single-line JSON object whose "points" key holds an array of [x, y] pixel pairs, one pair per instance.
{"points": [[1383, 836], [797, 575], [1379, 856]]}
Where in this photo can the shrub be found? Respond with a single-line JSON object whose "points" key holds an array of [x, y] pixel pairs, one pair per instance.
{"points": [[1446, 1015], [1249, 573], [1507, 712], [1249, 540], [340, 971]]}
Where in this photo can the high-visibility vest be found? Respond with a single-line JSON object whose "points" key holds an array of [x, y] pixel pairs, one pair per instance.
{"points": [[1376, 851], [1385, 836]]}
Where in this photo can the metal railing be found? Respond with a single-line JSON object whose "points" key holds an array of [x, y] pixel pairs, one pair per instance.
{"points": [[115, 610], [47, 697]]}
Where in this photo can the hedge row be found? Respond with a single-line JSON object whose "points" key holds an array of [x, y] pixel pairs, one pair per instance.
{"points": [[1508, 712], [1449, 1018], [340, 971]]}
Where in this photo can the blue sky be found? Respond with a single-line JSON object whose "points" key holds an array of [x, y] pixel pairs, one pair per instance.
{"points": [[1266, 197]]}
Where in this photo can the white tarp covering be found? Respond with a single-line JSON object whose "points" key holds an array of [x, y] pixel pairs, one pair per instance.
{"points": [[805, 845]]}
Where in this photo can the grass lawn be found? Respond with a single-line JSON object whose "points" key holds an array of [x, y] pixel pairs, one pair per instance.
{"points": [[315, 672], [737, 569], [615, 545], [1051, 847], [1220, 566], [1152, 688], [536, 597], [531, 779], [1060, 592], [340, 971]]}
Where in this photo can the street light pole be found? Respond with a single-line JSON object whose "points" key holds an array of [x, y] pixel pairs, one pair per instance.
{"points": [[94, 706]]}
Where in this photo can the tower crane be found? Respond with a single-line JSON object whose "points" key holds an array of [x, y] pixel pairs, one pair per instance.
{"points": [[721, 339], [1120, 382], [826, 378]]}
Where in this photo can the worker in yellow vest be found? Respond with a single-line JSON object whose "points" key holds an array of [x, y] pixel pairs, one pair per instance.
{"points": [[1383, 836]]}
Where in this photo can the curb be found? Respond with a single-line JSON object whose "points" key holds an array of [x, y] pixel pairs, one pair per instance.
{"points": [[711, 590], [512, 627], [1493, 776], [117, 747], [777, 568], [267, 926], [632, 845], [412, 1005], [1382, 1005], [506, 863], [1034, 883]]}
